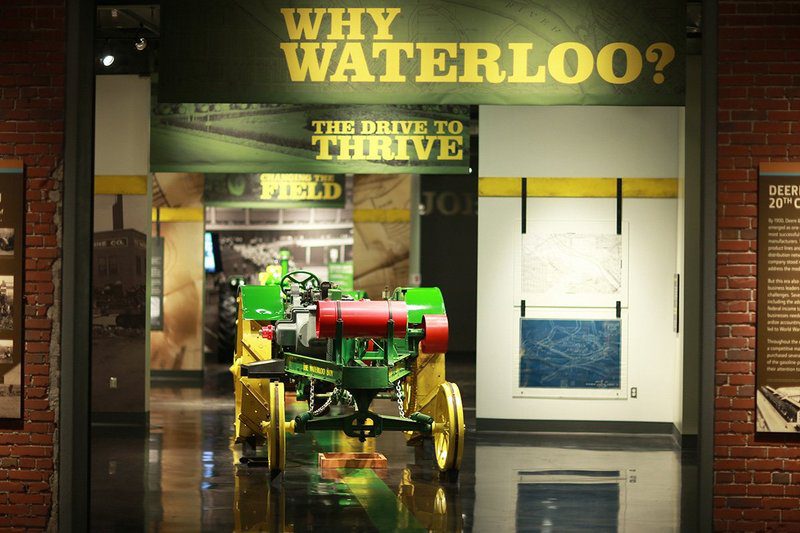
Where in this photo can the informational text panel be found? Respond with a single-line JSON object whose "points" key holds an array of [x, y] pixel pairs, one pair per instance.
{"points": [[778, 319]]}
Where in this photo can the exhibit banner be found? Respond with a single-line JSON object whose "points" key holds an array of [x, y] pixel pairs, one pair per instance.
{"points": [[12, 245], [224, 138], [274, 191], [552, 52], [778, 331]]}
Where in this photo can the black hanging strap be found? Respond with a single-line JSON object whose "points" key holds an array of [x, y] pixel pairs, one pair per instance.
{"points": [[619, 309], [524, 205], [619, 206], [524, 208]]}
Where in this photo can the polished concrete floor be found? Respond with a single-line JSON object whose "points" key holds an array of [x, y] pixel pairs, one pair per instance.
{"points": [[184, 475]]}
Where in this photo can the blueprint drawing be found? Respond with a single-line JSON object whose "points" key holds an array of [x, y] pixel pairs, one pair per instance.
{"points": [[570, 354]]}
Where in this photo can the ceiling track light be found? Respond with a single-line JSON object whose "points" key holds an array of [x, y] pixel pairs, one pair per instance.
{"points": [[140, 43], [107, 56]]}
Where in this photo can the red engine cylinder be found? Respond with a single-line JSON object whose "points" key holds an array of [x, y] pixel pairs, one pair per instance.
{"points": [[437, 334], [364, 318]]}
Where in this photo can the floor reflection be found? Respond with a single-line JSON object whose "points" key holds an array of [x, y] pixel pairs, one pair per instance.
{"points": [[599, 488], [186, 476]]}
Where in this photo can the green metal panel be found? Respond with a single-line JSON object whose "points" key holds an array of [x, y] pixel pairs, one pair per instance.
{"points": [[365, 377], [356, 295], [262, 302], [422, 301], [398, 372], [312, 367]]}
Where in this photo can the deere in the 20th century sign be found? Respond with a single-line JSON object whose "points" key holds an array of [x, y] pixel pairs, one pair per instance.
{"points": [[549, 52]]}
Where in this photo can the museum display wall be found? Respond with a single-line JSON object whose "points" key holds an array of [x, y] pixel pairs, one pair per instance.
{"points": [[577, 266], [756, 474], [649, 346], [121, 258], [450, 208], [381, 232], [176, 341], [33, 107]]}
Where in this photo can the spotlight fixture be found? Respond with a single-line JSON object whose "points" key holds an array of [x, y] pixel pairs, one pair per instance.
{"points": [[107, 56], [140, 43], [107, 59]]}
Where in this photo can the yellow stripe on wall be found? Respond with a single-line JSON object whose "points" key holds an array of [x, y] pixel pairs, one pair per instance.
{"points": [[120, 185], [381, 215], [179, 214], [649, 188], [579, 187]]}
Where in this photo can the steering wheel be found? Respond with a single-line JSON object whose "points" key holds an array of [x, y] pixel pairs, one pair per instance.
{"points": [[304, 278]]}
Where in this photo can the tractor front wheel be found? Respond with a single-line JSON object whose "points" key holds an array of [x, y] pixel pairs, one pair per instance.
{"points": [[448, 427], [276, 429]]}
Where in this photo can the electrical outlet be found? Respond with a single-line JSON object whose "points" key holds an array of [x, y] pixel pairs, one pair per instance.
{"points": [[112, 383], [634, 392]]}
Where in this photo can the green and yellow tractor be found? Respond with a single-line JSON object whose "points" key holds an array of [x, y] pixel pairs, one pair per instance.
{"points": [[339, 348]]}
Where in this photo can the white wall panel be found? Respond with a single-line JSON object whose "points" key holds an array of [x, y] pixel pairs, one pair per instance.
{"points": [[122, 126], [651, 343], [578, 141]]}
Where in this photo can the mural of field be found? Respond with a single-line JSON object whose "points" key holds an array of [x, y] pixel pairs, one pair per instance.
{"points": [[245, 138]]}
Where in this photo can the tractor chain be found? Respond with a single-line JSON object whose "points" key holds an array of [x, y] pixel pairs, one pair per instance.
{"points": [[400, 396], [340, 395]]}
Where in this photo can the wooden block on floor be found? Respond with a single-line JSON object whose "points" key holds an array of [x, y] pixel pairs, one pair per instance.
{"points": [[352, 460]]}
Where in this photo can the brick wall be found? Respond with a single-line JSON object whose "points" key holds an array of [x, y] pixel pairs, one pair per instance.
{"points": [[32, 55], [757, 478]]}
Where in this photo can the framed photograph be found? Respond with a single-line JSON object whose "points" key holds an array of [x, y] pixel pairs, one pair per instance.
{"points": [[6, 352], [10, 381], [6, 241], [12, 240], [6, 303]]}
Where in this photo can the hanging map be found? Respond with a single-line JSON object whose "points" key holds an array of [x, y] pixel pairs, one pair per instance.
{"points": [[571, 354], [562, 265]]}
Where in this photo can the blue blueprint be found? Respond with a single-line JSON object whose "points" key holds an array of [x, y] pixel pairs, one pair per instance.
{"points": [[570, 354]]}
